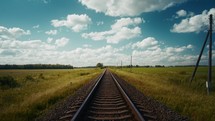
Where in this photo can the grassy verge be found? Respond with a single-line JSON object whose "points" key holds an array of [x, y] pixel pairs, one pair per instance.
{"points": [[171, 87], [38, 90]]}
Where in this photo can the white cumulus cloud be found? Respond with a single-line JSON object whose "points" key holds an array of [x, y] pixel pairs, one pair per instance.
{"points": [[178, 49], [12, 32], [51, 32], [61, 42], [164, 56], [147, 42], [128, 7], [181, 13], [74, 22], [49, 39], [194, 23], [122, 29], [37, 51], [26, 45], [150, 51]]}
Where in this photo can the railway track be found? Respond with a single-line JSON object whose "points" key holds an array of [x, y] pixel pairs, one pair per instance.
{"points": [[109, 97], [106, 101]]}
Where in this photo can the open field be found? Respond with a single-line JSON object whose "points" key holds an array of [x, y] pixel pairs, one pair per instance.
{"points": [[171, 87], [35, 91]]}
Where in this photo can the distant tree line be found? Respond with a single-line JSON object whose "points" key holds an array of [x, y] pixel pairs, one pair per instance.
{"points": [[36, 66], [156, 66], [137, 66]]}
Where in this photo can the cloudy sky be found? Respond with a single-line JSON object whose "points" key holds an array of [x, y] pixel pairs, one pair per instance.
{"points": [[85, 32]]}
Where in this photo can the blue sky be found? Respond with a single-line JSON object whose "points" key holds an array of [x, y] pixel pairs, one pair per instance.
{"points": [[85, 32]]}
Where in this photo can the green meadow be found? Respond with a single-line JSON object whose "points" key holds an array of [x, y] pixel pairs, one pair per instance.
{"points": [[26, 94], [172, 87]]}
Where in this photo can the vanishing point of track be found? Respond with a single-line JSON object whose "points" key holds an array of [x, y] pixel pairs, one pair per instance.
{"points": [[107, 101]]}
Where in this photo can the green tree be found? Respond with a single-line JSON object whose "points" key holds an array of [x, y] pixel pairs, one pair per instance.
{"points": [[99, 65]]}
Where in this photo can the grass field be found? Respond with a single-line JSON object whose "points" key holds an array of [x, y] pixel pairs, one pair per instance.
{"points": [[171, 86], [27, 93]]}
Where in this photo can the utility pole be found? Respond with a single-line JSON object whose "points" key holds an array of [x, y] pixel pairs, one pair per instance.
{"points": [[131, 63], [121, 64], [210, 56], [209, 34], [131, 60]]}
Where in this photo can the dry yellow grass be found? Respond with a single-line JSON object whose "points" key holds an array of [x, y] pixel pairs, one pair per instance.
{"points": [[37, 93], [171, 87]]}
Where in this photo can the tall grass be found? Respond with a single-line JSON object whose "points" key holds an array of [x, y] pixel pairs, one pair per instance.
{"points": [[171, 86], [39, 90]]}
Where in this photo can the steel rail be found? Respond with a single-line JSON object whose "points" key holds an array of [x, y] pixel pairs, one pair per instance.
{"points": [[136, 113], [83, 107], [78, 114]]}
